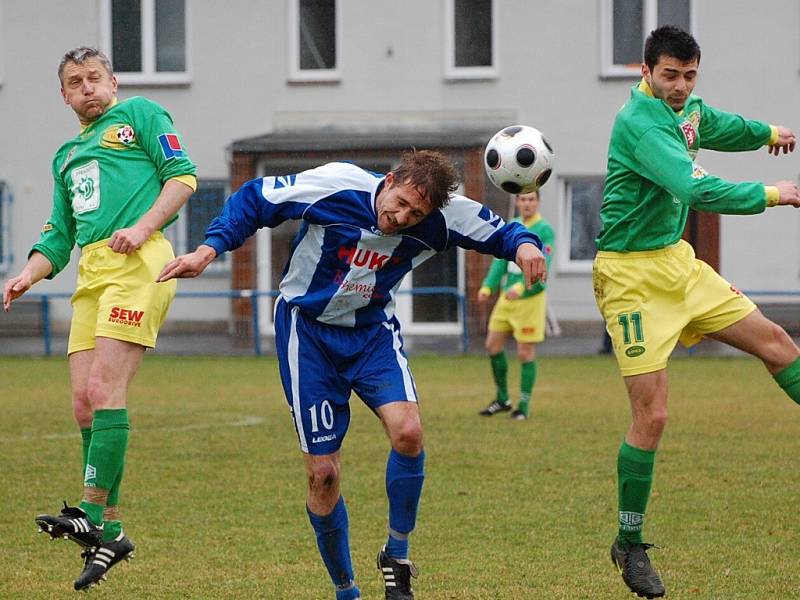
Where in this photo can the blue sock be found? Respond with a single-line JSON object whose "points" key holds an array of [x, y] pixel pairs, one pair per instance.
{"points": [[404, 477], [333, 541], [351, 592]]}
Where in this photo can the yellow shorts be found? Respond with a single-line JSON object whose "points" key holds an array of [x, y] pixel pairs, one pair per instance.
{"points": [[117, 297], [525, 317], [650, 300]]}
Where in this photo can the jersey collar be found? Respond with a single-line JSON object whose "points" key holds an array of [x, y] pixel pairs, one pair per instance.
{"points": [[113, 103]]}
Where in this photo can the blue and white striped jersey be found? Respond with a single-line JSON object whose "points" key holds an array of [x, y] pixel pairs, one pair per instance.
{"points": [[342, 270]]}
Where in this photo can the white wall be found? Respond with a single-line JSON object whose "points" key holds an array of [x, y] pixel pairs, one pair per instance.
{"points": [[392, 65]]}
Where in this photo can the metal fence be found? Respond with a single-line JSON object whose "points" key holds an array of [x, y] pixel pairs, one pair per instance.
{"points": [[253, 296]]}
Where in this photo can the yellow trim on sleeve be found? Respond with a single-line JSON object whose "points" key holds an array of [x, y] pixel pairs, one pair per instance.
{"points": [[518, 287], [485, 289], [188, 180], [772, 195], [773, 136]]}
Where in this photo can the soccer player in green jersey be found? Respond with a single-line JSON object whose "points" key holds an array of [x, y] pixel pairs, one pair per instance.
{"points": [[519, 311], [650, 288], [117, 185]]}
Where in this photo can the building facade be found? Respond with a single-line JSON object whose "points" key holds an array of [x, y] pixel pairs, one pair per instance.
{"points": [[260, 87]]}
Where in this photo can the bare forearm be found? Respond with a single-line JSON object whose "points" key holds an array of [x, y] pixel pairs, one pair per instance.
{"points": [[173, 196], [37, 267]]}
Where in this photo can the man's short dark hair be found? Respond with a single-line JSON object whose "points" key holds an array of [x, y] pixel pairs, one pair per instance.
{"points": [[429, 171], [80, 55], [669, 40]]}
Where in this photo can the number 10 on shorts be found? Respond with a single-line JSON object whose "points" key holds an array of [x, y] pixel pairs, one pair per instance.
{"points": [[630, 321], [325, 415]]}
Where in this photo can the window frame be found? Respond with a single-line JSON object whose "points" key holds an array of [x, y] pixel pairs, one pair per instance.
{"points": [[298, 75], [148, 75], [178, 233], [610, 70], [563, 261], [451, 71], [6, 252]]}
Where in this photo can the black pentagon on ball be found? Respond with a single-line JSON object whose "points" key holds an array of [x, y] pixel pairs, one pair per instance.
{"points": [[511, 187], [511, 131], [526, 156], [543, 177], [492, 158]]}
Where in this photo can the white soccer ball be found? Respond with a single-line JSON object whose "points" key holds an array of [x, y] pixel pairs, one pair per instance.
{"points": [[518, 159]]}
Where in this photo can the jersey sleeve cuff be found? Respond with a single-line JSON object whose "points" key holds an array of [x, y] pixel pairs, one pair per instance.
{"points": [[773, 135], [188, 180], [485, 289], [218, 244], [772, 195], [45, 251]]}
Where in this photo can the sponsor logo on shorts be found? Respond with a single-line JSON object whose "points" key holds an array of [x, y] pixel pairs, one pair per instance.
{"points": [[630, 521], [529, 330], [635, 351], [735, 291], [126, 316], [323, 438]]}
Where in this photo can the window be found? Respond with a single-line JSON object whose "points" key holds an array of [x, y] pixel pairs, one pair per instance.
{"points": [[313, 40], [147, 40], [581, 201], [625, 24], [470, 34], [5, 227], [190, 229]]}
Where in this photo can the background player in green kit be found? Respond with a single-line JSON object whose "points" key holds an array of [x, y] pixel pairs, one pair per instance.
{"points": [[117, 184], [518, 311], [649, 287]]}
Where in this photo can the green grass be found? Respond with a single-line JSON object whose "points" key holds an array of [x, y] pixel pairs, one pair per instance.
{"points": [[214, 488]]}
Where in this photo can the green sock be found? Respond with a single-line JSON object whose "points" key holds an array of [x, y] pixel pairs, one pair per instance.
{"points": [[789, 380], [106, 459], [86, 437], [635, 477], [527, 381], [111, 529], [500, 374]]}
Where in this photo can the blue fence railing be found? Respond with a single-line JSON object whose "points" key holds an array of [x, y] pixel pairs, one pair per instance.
{"points": [[253, 295]]}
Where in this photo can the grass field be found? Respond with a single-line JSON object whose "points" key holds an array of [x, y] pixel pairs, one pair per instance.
{"points": [[214, 487]]}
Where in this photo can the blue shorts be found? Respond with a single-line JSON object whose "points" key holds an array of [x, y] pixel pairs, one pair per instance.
{"points": [[321, 365]]}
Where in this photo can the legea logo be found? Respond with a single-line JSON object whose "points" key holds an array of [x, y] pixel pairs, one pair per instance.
{"points": [[635, 351]]}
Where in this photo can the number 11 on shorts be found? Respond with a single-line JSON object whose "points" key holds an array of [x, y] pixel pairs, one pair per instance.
{"points": [[628, 320]]}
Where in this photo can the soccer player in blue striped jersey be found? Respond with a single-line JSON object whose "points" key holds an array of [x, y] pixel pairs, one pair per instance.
{"points": [[335, 327]]}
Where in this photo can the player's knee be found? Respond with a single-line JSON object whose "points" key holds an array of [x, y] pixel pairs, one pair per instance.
{"points": [[779, 348], [407, 438], [97, 393], [323, 476], [657, 421]]}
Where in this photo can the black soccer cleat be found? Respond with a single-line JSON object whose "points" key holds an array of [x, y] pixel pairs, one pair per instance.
{"points": [[518, 415], [99, 560], [397, 574], [638, 574], [72, 523], [494, 408]]}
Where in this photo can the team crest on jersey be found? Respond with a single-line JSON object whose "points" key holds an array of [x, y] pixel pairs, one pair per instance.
{"points": [[689, 132], [126, 135], [118, 137]]}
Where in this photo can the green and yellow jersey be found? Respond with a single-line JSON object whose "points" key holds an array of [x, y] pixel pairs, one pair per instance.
{"points": [[111, 174], [653, 179], [505, 274]]}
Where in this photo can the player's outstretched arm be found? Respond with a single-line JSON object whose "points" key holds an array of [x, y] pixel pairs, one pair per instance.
{"points": [[531, 262], [786, 141], [790, 195], [37, 268], [188, 265]]}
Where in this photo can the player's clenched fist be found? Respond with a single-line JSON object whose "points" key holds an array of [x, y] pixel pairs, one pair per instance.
{"points": [[531, 261]]}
